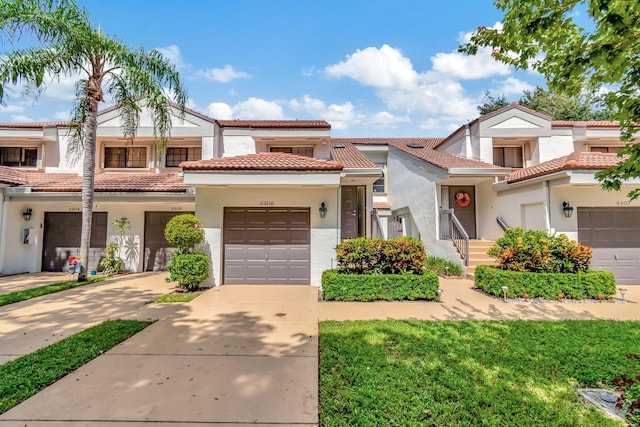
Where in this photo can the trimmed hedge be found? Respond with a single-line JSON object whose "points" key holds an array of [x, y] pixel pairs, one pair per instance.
{"points": [[400, 255], [592, 284], [189, 270], [375, 287]]}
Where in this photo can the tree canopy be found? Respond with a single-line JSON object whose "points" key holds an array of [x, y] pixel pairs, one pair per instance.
{"points": [[549, 36], [586, 106], [65, 43]]}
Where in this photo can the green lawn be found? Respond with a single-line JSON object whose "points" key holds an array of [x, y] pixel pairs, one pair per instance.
{"points": [[23, 377], [177, 297], [470, 373], [26, 294]]}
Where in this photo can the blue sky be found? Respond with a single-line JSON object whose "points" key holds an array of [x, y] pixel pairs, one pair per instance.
{"points": [[370, 68]]}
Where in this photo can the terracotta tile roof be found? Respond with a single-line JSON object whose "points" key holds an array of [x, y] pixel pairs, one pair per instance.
{"points": [[106, 182], [274, 124], [350, 156], [589, 123], [33, 125], [12, 176], [441, 159], [381, 205], [575, 160], [264, 161], [427, 142]]}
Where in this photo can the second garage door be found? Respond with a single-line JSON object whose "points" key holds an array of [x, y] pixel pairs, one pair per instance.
{"points": [[614, 235], [267, 246]]}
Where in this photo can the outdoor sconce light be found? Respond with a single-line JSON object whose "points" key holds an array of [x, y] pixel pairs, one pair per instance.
{"points": [[323, 210], [622, 292], [567, 209], [27, 214], [504, 291]]}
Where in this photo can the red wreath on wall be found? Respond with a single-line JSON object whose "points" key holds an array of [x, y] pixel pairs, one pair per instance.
{"points": [[463, 199]]}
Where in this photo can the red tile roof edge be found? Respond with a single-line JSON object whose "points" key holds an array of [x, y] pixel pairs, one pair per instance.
{"points": [[575, 160], [264, 162], [274, 124]]}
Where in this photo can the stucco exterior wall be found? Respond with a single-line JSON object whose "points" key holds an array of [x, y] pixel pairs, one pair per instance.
{"points": [[237, 145], [22, 258], [325, 234], [555, 146], [412, 186]]}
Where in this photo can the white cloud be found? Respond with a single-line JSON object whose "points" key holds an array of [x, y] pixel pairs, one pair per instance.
{"points": [[11, 108], [21, 118], [219, 110], [467, 67], [383, 68], [513, 86], [384, 119], [341, 116], [173, 54], [61, 115], [223, 75]]}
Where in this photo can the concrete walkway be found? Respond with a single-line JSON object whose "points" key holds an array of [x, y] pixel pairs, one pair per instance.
{"points": [[461, 302], [20, 282], [236, 355]]}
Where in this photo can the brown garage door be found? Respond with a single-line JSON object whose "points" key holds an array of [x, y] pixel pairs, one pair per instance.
{"points": [[62, 239], [267, 246], [157, 252], [614, 235]]}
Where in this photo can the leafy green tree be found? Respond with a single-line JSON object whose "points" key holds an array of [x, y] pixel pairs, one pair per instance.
{"points": [[547, 36], [491, 103], [67, 44], [586, 106]]}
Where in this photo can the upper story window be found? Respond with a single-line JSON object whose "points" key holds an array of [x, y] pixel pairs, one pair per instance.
{"points": [[508, 157], [605, 149], [379, 184], [125, 157], [19, 157], [177, 155], [298, 151]]}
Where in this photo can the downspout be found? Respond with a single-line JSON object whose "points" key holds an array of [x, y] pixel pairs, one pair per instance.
{"points": [[3, 230], [547, 205]]}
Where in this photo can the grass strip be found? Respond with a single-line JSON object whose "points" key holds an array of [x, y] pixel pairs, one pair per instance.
{"points": [[26, 294], [180, 297], [470, 373], [27, 375]]}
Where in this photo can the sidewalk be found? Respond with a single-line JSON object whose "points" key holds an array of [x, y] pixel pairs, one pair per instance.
{"points": [[29, 325], [20, 282], [234, 356], [461, 302]]}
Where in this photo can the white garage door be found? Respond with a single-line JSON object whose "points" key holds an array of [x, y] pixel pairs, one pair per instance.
{"points": [[614, 235], [267, 246]]}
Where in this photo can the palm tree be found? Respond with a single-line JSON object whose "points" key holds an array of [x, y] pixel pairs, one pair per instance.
{"points": [[69, 45]]}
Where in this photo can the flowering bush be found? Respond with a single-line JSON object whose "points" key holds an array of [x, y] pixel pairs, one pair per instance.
{"points": [[629, 401], [538, 252], [402, 255]]}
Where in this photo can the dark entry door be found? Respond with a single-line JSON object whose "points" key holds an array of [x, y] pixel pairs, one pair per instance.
{"points": [[157, 252], [62, 239], [462, 199], [352, 220]]}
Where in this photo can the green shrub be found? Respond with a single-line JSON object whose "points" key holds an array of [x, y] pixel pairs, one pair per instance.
{"points": [[537, 251], [590, 284], [184, 232], [443, 266], [188, 269], [402, 255], [373, 287]]}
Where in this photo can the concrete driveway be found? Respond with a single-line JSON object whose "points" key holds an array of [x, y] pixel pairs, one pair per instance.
{"points": [[236, 355]]}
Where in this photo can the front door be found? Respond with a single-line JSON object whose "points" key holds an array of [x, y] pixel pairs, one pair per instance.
{"points": [[352, 216], [462, 199]]}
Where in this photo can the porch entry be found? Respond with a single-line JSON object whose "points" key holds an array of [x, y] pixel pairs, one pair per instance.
{"points": [[352, 218], [462, 199]]}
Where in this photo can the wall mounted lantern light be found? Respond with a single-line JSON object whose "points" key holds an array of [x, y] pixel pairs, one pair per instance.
{"points": [[323, 210], [567, 209], [27, 214]]}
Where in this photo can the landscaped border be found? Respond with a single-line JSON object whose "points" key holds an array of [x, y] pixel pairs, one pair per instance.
{"points": [[26, 294], [592, 284], [376, 287], [27, 375]]}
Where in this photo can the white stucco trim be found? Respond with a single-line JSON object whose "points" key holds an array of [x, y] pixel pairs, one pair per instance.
{"points": [[261, 178]]}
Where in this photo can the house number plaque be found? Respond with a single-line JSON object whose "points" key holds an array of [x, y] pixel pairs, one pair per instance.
{"points": [[267, 203]]}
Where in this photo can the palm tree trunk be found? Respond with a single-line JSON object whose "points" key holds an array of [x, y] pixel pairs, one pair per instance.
{"points": [[88, 171]]}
